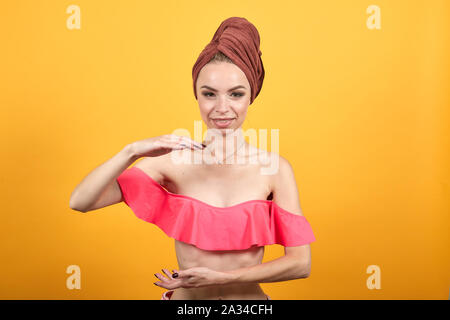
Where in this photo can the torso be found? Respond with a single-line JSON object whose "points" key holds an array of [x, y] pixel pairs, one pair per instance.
{"points": [[222, 186]]}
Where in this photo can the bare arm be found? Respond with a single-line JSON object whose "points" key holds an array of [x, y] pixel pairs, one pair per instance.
{"points": [[296, 263], [99, 188]]}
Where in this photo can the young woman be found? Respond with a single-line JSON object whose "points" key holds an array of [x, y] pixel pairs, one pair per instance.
{"points": [[220, 210]]}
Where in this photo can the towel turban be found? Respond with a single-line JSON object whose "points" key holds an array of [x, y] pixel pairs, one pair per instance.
{"points": [[239, 40]]}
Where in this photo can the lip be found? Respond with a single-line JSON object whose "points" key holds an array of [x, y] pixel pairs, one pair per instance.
{"points": [[221, 123]]}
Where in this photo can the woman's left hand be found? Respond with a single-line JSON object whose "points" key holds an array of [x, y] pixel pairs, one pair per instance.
{"points": [[192, 278]]}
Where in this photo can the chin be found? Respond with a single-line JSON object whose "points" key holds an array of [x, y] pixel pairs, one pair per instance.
{"points": [[224, 129]]}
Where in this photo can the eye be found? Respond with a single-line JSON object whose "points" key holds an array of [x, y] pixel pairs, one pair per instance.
{"points": [[236, 94]]}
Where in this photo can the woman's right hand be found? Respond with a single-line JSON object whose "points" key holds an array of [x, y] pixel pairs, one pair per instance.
{"points": [[158, 146]]}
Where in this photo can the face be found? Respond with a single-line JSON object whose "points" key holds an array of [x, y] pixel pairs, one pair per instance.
{"points": [[223, 92]]}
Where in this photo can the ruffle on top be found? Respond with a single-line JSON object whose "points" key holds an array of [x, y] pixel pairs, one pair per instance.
{"points": [[237, 227]]}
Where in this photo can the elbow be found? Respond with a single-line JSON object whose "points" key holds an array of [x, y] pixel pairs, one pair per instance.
{"points": [[307, 273], [304, 270], [75, 207], [78, 204]]}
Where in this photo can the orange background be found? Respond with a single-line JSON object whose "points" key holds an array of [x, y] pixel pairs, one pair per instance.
{"points": [[363, 118]]}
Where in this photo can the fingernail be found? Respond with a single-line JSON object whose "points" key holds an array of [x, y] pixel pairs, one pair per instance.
{"points": [[175, 275], [154, 283], [204, 145]]}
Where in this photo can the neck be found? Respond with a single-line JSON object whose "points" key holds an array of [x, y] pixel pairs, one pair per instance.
{"points": [[224, 142]]}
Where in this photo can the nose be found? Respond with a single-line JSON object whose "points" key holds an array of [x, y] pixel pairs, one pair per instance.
{"points": [[222, 104]]}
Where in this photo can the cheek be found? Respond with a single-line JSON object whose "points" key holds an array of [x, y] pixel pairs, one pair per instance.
{"points": [[205, 108], [241, 110]]}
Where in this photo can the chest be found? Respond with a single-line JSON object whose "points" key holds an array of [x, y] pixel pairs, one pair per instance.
{"points": [[221, 187]]}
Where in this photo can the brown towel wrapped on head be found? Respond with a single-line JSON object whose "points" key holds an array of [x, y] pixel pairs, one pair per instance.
{"points": [[238, 39]]}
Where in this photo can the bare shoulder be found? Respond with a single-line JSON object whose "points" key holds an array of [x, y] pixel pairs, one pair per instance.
{"points": [[281, 170], [284, 185], [285, 195], [281, 178], [152, 166], [285, 167], [262, 157], [163, 167], [273, 163]]}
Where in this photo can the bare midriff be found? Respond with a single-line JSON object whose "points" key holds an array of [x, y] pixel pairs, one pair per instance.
{"points": [[190, 256], [212, 184]]}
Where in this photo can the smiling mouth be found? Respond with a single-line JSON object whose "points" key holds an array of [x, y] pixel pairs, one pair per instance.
{"points": [[225, 122]]}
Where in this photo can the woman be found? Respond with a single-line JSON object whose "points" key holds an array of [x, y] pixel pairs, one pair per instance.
{"points": [[217, 209]]}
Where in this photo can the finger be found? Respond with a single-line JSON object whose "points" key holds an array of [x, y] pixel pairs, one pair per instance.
{"points": [[195, 143], [201, 146], [170, 285], [162, 278], [175, 142], [172, 137], [163, 285], [189, 142], [178, 146], [167, 273], [186, 140], [183, 274], [183, 145], [175, 138], [171, 145]]}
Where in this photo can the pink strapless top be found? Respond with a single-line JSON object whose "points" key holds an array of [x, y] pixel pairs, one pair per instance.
{"points": [[237, 227]]}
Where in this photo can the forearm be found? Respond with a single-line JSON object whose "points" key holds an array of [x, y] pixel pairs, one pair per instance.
{"points": [[92, 186], [281, 269]]}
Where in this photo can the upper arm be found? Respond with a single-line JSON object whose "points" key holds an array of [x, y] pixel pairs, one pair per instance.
{"points": [[285, 195], [113, 194]]}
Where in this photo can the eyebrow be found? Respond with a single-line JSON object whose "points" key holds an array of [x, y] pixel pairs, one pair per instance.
{"points": [[234, 88]]}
